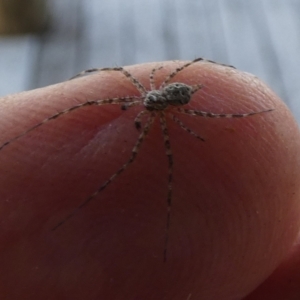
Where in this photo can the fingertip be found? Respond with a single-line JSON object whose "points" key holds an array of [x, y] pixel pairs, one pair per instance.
{"points": [[235, 206]]}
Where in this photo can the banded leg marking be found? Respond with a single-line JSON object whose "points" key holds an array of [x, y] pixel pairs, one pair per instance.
{"points": [[132, 158], [68, 110]]}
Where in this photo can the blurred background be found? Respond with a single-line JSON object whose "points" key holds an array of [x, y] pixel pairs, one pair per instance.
{"points": [[258, 36]]}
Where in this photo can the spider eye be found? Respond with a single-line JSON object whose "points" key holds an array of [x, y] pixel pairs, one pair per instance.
{"points": [[152, 98]]}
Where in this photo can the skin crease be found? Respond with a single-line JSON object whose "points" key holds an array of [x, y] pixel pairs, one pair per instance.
{"points": [[235, 207]]}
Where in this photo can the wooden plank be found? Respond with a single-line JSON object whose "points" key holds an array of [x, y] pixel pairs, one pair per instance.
{"points": [[194, 39], [100, 35], [57, 54], [17, 55], [168, 15], [150, 39], [91, 33], [269, 56], [214, 27], [243, 49], [127, 28], [283, 21], [248, 39]]}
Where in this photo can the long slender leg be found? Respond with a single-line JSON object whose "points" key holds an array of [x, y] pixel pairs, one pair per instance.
{"points": [[151, 77], [138, 121], [168, 78], [224, 65], [169, 154], [212, 115], [132, 158], [184, 127], [134, 81], [177, 70], [196, 88], [85, 73], [125, 106], [119, 100]]}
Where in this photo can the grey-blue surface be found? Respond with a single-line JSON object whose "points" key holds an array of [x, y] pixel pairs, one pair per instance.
{"points": [[257, 36]]}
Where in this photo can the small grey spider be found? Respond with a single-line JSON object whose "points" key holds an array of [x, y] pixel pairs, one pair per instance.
{"points": [[154, 101]]}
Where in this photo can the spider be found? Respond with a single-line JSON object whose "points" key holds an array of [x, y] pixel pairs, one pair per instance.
{"points": [[174, 95]]}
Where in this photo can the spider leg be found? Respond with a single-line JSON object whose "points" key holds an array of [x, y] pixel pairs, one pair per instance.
{"points": [[224, 65], [205, 114], [134, 81], [169, 154], [184, 127], [196, 88], [132, 158], [85, 73], [168, 78], [177, 70], [137, 120], [119, 100], [125, 106], [151, 77]]}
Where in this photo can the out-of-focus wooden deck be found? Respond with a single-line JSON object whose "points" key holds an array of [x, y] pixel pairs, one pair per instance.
{"points": [[258, 36]]}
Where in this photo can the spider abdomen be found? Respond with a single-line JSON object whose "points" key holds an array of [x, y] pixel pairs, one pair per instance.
{"points": [[177, 93], [173, 94]]}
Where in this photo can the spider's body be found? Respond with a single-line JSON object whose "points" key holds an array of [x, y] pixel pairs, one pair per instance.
{"points": [[155, 101], [175, 94]]}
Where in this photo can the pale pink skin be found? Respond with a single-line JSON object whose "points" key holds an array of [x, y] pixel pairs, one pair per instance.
{"points": [[235, 211]]}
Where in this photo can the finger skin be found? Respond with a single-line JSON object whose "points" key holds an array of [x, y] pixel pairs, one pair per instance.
{"points": [[284, 282], [235, 210]]}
